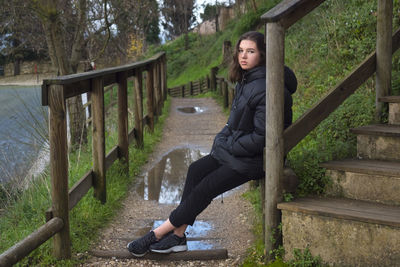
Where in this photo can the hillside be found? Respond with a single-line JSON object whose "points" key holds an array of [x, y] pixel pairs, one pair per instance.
{"points": [[322, 49]]}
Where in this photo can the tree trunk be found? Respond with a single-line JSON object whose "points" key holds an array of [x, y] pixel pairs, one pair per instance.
{"points": [[253, 2], [57, 51], [77, 125], [17, 66]]}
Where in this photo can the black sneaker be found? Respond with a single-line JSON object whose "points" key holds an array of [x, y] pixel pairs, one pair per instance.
{"points": [[140, 246], [170, 243]]}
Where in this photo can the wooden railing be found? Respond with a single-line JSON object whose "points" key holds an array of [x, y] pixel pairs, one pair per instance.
{"points": [[279, 142], [211, 82], [54, 94]]}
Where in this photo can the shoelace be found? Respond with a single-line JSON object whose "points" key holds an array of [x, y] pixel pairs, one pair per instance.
{"points": [[147, 239]]}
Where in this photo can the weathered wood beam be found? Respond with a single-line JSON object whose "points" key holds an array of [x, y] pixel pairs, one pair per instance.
{"points": [[111, 157], [123, 142], [274, 153], [76, 193], [138, 100], [150, 96], [335, 97], [80, 83], [31, 242], [289, 12], [211, 254], [383, 55], [59, 169], [98, 154]]}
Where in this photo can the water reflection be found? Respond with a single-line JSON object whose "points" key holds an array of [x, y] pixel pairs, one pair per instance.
{"points": [[191, 109], [23, 130], [200, 245], [164, 182]]}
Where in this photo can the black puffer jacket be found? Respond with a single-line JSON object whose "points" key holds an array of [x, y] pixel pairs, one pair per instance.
{"points": [[241, 142]]}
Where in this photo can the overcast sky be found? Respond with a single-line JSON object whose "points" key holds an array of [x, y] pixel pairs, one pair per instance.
{"points": [[198, 11], [200, 4]]}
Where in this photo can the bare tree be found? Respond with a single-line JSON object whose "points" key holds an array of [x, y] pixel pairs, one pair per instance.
{"points": [[179, 17], [76, 31]]}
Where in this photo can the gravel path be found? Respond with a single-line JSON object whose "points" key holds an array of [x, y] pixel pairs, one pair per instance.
{"points": [[231, 220]]}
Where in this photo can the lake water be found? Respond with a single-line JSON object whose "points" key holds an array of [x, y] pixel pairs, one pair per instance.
{"points": [[22, 127]]}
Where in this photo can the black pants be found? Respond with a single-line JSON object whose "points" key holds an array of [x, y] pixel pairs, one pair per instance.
{"points": [[205, 180]]}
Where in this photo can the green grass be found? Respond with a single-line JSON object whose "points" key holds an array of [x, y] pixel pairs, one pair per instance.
{"points": [[322, 48], [26, 213], [256, 254], [205, 51]]}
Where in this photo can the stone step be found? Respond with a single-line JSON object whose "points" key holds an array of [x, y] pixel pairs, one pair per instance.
{"points": [[394, 108], [379, 141], [344, 232], [371, 180], [390, 99]]}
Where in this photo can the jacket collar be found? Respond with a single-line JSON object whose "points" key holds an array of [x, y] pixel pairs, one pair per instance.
{"points": [[254, 74]]}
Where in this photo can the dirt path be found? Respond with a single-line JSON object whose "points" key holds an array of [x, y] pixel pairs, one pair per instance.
{"points": [[230, 221]]}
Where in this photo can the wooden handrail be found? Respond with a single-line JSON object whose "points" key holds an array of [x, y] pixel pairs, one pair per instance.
{"points": [[31, 242], [55, 92], [335, 97], [289, 12], [277, 20], [67, 79], [76, 84]]}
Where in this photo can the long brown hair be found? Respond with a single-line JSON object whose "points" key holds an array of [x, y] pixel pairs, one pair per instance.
{"points": [[235, 71]]}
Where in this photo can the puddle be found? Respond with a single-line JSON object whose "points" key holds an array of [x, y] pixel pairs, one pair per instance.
{"points": [[164, 182], [196, 234], [200, 245], [190, 110]]}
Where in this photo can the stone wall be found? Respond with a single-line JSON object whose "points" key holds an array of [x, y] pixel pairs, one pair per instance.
{"points": [[208, 26], [225, 15], [205, 28], [341, 242], [28, 67]]}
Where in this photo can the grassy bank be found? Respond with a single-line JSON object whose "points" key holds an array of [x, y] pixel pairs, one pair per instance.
{"points": [[322, 48], [26, 213]]}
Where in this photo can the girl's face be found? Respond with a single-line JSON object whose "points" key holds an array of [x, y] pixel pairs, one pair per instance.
{"points": [[248, 55]]}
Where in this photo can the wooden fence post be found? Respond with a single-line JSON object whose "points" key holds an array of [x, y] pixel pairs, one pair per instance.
{"points": [[230, 96], [383, 55], [99, 166], [138, 97], [123, 143], [219, 89], [183, 91], [164, 71], [213, 78], [59, 169], [191, 88], [262, 193], [227, 53], [200, 86], [225, 93], [157, 89], [162, 81], [150, 96], [274, 149], [159, 79]]}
